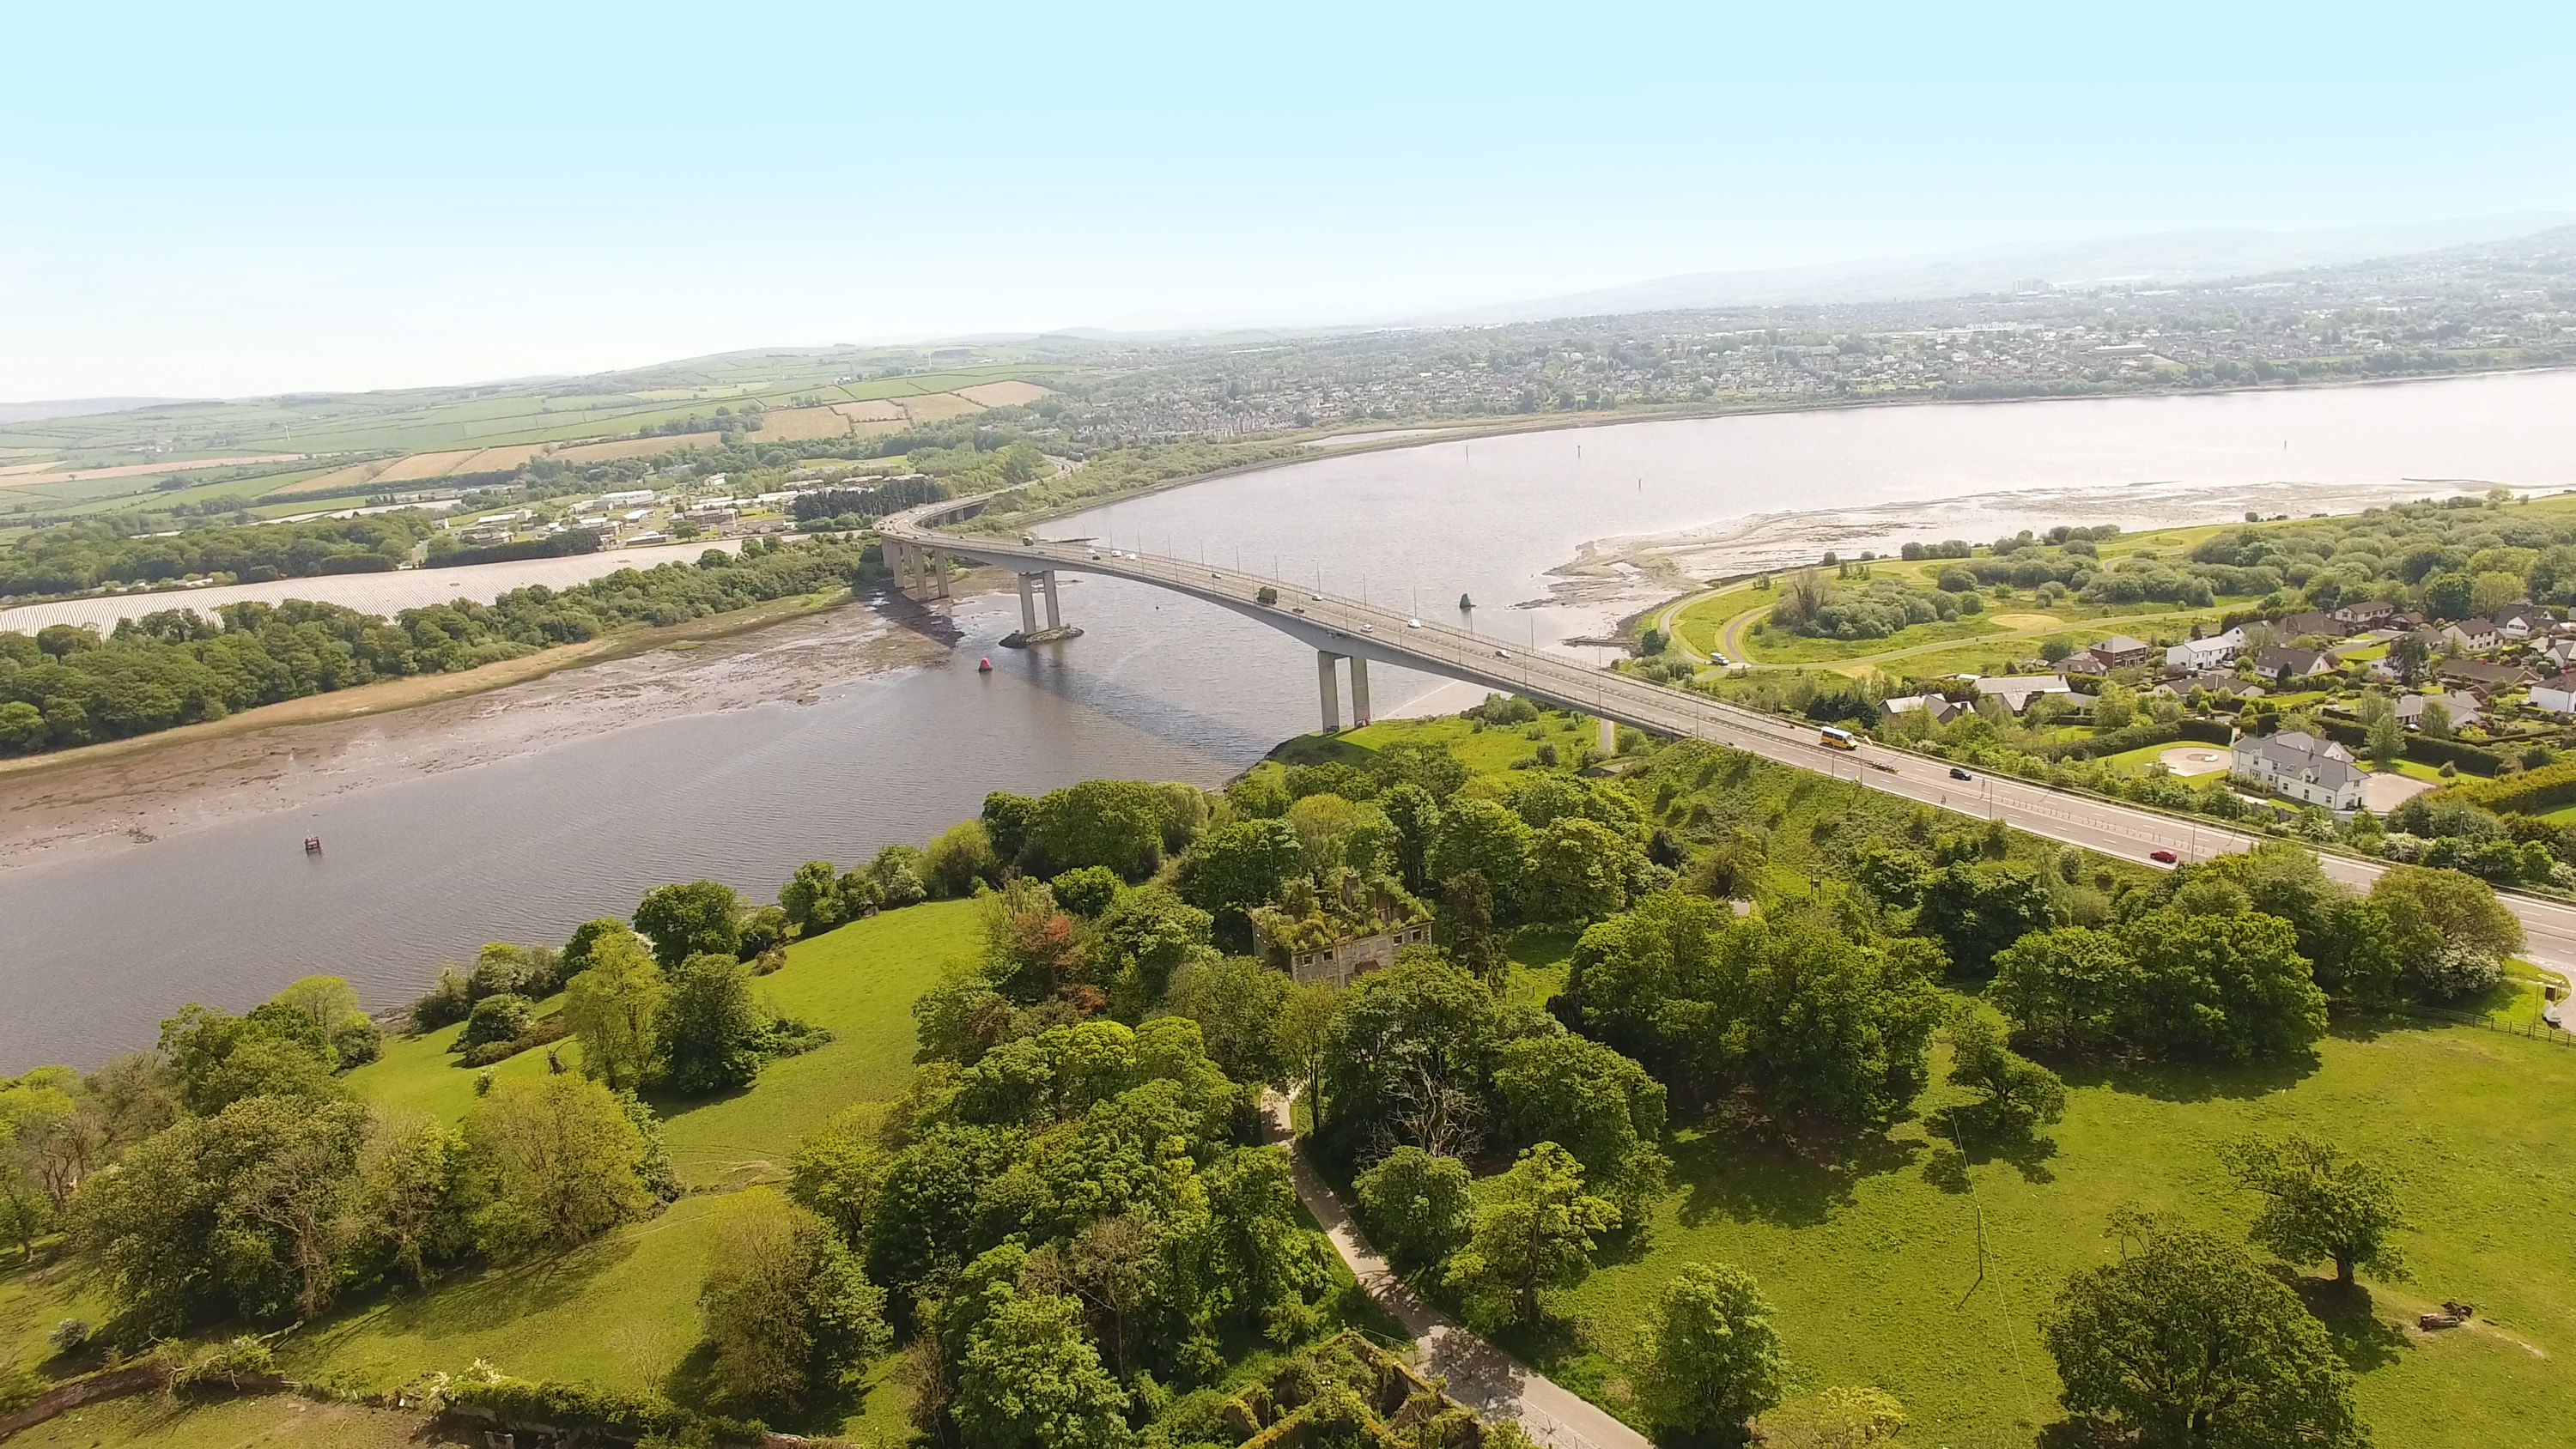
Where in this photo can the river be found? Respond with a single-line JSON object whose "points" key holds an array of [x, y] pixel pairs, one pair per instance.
{"points": [[521, 812]]}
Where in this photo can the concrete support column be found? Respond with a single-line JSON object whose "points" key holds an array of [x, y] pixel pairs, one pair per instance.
{"points": [[1359, 691], [939, 573], [1331, 690], [1055, 614], [1609, 736], [894, 560], [1028, 607]]}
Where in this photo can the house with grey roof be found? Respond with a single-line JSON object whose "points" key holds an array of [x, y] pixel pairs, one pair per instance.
{"points": [[2018, 690], [2301, 766], [2462, 708]]}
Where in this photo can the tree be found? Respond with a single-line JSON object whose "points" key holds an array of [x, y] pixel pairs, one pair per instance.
{"points": [[711, 1033], [786, 1307], [550, 1162], [812, 898], [1466, 925], [1708, 1357], [686, 920], [1418, 1206], [1009, 821], [1086, 892], [1484, 837], [246, 1212], [959, 857], [1579, 871], [1029, 1379], [895, 877], [838, 1170], [329, 1002], [2229, 988], [2447, 595], [614, 1009], [2114, 708], [582, 949], [1113, 823], [2386, 741], [2435, 721], [408, 1173], [1405, 1062], [2017, 1093], [1975, 911], [1241, 1007], [2432, 910], [216, 1060], [1237, 867], [1596, 1104], [1533, 1232], [2494, 589], [2068, 988], [2187, 1341], [2321, 1204], [1416, 818]]}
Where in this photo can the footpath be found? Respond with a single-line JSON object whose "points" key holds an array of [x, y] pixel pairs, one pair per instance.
{"points": [[1479, 1375]]}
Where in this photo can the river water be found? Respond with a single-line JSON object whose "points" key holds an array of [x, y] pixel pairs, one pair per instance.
{"points": [[532, 835]]}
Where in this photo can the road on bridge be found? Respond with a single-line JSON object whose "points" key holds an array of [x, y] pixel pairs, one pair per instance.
{"points": [[1348, 627]]}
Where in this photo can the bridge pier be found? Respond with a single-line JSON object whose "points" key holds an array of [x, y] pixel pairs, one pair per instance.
{"points": [[1331, 690], [1055, 616], [939, 573], [1359, 691], [1028, 607]]}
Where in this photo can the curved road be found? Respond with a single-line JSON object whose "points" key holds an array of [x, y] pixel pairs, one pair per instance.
{"points": [[1336, 625]]}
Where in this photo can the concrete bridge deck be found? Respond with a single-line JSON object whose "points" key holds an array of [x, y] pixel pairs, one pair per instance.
{"points": [[1347, 628]]}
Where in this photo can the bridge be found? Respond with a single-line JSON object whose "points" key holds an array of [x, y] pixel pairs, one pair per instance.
{"points": [[922, 543]]}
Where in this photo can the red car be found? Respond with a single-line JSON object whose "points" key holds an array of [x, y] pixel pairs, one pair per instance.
{"points": [[2161, 857]]}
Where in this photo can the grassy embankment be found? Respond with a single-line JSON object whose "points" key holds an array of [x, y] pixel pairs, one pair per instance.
{"points": [[1874, 1269], [158, 1422]]}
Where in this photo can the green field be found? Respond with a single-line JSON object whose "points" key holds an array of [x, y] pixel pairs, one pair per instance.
{"points": [[1874, 1269]]}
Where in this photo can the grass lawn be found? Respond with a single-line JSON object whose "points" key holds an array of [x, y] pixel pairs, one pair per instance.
{"points": [[155, 1421], [1482, 748], [1875, 1271], [859, 981], [34, 1299]]}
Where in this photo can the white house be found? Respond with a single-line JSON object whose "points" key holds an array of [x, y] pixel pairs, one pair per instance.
{"points": [[2556, 694], [2018, 690], [1941, 710], [2521, 620], [2472, 634], [2301, 766], [2194, 655]]}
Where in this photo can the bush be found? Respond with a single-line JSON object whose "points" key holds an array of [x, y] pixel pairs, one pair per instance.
{"points": [[228, 1364], [69, 1336], [502, 1018], [446, 1003], [1086, 892]]}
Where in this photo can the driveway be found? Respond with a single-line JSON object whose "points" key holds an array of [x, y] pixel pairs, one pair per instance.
{"points": [[2385, 790], [1479, 1375]]}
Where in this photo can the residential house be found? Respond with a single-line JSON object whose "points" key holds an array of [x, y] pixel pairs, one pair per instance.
{"points": [[2299, 626], [2215, 681], [2480, 675], [2366, 614], [2087, 663], [2282, 663], [2463, 709], [2018, 690], [2120, 651], [2558, 652], [2193, 656], [1941, 710], [2556, 694], [2301, 766], [2471, 635], [2522, 620]]}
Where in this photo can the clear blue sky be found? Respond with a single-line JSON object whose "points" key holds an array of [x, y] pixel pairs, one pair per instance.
{"points": [[209, 199]]}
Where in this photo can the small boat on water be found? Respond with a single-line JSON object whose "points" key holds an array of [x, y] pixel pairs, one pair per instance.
{"points": [[313, 845], [984, 665]]}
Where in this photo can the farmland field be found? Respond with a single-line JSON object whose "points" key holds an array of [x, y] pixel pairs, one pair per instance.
{"points": [[931, 407], [794, 424]]}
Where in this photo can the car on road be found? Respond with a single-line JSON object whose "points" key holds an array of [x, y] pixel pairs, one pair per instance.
{"points": [[1502, 654], [1958, 774], [2162, 857], [1368, 628], [1413, 623]]}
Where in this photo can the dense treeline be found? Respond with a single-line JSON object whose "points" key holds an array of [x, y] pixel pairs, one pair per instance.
{"points": [[66, 686], [78, 556]]}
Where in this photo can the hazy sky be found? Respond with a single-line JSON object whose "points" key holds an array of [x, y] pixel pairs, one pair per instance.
{"points": [[230, 200]]}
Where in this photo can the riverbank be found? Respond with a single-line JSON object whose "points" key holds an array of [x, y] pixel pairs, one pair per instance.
{"points": [[295, 754]]}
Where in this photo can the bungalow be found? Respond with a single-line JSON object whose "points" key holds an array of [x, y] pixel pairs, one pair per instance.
{"points": [[2462, 708], [2301, 766], [2299, 626], [2558, 652], [1938, 709], [2480, 675], [2366, 614], [2556, 694], [2216, 681], [2194, 655], [2120, 651], [2018, 690], [2472, 635], [2280, 663]]}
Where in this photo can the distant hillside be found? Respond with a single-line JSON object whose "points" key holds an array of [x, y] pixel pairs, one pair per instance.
{"points": [[77, 407], [2167, 256]]}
